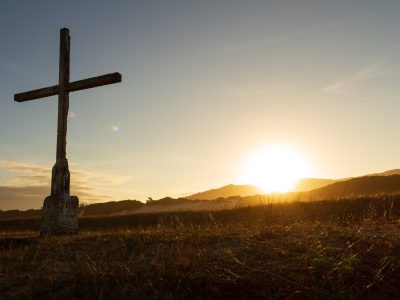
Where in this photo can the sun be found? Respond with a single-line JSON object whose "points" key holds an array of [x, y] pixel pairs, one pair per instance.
{"points": [[275, 168]]}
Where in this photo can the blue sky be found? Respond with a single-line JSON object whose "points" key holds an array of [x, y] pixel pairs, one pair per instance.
{"points": [[205, 83]]}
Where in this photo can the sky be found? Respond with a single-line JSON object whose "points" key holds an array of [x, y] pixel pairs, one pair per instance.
{"points": [[204, 85]]}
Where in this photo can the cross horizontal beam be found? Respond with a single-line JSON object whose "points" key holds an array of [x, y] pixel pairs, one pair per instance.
{"points": [[72, 87]]}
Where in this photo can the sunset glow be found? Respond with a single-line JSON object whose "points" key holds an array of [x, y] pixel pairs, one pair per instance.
{"points": [[206, 86], [274, 168]]}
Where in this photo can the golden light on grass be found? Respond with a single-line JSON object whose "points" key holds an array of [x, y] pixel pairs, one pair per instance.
{"points": [[275, 168]]}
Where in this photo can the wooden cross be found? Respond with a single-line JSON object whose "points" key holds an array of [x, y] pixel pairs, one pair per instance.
{"points": [[60, 173]]}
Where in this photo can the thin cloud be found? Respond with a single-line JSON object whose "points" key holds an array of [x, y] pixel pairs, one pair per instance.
{"points": [[345, 84], [272, 40], [22, 167], [27, 180], [29, 183], [250, 91], [80, 145]]}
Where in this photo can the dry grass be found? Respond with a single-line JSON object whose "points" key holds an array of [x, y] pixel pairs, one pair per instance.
{"points": [[271, 252]]}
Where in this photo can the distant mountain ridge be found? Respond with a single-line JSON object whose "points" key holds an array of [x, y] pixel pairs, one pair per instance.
{"points": [[232, 196], [308, 184], [233, 190], [226, 191], [89, 210], [302, 185], [359, 186], [109, 208], [386, 173]]}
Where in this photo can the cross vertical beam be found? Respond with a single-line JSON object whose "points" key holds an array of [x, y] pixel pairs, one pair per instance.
{"points": [[60, 181], [63, 95]]}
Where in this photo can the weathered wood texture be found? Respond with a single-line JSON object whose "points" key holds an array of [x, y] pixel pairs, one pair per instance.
{"points": [[60, 173], [63, 96], [95, 82], [72, 87], [37, 94], [60, 209]]}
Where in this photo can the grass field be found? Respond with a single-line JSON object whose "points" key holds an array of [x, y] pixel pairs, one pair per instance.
{"points": [[341, 249]]}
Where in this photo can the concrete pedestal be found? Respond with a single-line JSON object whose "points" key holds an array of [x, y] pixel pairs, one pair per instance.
{"points": [[60, 215]]}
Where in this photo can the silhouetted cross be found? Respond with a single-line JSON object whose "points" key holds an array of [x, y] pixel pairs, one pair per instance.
{"points": [[60, 173]]}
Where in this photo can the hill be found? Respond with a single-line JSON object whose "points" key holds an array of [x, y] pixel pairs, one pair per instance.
{"points": [[110, 208], [302, 185], [90, 210], [232, 190], [247, 195], [308, 184], [360, 186], [231, 196], [386, 173], [226, 191]]}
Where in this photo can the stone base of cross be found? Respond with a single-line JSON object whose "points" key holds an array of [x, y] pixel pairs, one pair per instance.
{"points": [[60, 215], [60, 210]]}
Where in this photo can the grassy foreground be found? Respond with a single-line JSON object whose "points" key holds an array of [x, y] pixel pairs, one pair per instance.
{"points": [[347, 249]]}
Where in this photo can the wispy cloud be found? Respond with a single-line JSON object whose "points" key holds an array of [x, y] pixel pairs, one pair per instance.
{"points": [[26, 181], [252, 90], [348, 83], [272, 40], [24, 174]]}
